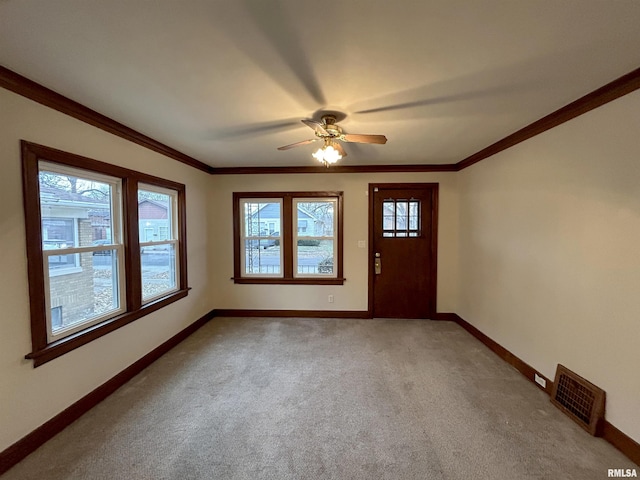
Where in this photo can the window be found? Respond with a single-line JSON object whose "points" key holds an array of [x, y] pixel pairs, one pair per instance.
{"points": [[261, 246], [291, 237], [92, 265], [315, 242], [401, 218], [157, 213], [89, 287]]}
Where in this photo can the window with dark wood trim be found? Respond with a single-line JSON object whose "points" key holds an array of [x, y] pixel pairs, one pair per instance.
{"points": [[105, 246], [288, 238]]}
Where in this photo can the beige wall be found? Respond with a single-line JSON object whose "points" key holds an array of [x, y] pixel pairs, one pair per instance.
{"points": [[353, 294], [28, 396], [550, 252]]}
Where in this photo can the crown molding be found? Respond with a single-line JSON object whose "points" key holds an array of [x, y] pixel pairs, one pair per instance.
{"points": [[28, 88], [605, 94], [448, 167], [34, 91]]}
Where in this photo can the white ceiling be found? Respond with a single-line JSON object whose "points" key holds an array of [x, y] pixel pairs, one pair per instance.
{"points": [[227, 82]]}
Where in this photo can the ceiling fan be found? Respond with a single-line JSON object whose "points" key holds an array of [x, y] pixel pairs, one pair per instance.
{"points": [[330, 134]]}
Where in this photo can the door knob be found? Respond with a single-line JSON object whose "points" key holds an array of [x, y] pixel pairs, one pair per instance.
{"points": [[377, 264]]}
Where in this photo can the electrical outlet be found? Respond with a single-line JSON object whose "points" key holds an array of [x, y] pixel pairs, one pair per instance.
{"points": [[330, 299], [540, 380]]}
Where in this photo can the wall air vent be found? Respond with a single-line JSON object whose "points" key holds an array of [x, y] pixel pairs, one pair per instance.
{"points": [[580, 399]]}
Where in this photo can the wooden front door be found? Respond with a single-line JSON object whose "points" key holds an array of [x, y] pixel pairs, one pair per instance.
{"points": [[403, 239]]}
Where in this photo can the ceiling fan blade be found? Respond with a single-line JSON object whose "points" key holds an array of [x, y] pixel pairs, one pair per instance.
{"points": [[354, 137], [339, 148], [317, 126], [297, 144], [235, 132]]}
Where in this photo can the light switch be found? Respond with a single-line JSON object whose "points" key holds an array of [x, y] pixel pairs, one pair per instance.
{"points": [[362, 244]]}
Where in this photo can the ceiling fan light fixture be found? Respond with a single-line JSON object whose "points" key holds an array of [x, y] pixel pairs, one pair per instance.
{"points": [[327, 155], [332, 136]]}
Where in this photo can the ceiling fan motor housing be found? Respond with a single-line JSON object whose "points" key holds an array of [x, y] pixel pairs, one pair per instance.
{"points": [[330, 126]]}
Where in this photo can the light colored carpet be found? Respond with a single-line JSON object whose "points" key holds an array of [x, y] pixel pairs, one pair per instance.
{"points": [[247, 398]]}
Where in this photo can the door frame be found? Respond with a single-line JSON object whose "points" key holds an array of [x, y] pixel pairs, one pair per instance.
{"points": [[432, 268]]}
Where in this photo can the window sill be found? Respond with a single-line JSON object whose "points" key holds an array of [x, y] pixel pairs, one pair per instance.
{"points": [[289, 281], [64, 345]]}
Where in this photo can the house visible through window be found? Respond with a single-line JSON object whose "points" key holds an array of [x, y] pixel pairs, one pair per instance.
{"points": [[158, 246], [268, 249], [60, 233], [315, 245], [82, 282], [81, 288], [261, 221]]}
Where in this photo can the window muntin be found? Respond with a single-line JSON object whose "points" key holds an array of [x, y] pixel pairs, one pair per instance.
{"points": [[81, 288], [315, 241], [276, 240], [157, 221], [260, 237]]}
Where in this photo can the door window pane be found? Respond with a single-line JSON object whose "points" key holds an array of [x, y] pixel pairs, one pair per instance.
{"points": [[400, 218], [388, 215]]}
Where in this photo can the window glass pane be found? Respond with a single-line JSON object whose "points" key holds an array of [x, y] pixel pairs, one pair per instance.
{"points": [[315, 257], [56, 318], [315, 219], [414, 215], [401, 215], [262, 219], [155, 211], [388, 215], [58, 233], [262, 222], [81, 297], [158, 263], [75, 211], [61, 262], [262, 256]]}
